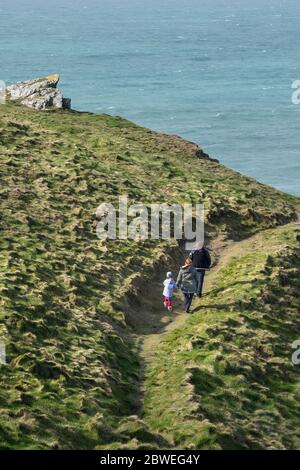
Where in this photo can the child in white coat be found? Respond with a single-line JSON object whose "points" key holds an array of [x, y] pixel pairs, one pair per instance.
{"points": [[169, 286]]}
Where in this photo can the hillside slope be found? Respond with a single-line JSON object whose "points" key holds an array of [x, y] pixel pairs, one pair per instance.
{"points": [[225, 378], [70, 306]]}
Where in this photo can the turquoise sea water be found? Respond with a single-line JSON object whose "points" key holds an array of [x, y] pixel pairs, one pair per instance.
{"points": [[216, 72]]}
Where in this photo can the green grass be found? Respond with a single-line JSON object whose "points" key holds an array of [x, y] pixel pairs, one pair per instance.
{"points": [[73, 373], [225, 379]]}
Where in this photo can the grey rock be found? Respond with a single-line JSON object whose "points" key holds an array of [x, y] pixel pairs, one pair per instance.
{"points": [[44, 99], [41, 93], [67, 103]]}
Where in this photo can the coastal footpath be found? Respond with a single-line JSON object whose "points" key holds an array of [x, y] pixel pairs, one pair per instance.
{"points": [[93, 361]]}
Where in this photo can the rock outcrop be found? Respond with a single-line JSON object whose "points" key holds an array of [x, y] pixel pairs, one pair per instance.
{"points": [[41, 93]]}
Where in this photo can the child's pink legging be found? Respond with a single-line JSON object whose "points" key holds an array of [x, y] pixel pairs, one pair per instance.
{"points": [[169, 301]]}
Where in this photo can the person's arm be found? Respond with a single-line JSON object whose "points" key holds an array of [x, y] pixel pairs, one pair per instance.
{"points": [[179, 279], [191, 255], [208, 257]]}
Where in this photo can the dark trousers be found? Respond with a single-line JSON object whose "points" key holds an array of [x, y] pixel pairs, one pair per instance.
{"points": [[188, 299], [200, 276]]}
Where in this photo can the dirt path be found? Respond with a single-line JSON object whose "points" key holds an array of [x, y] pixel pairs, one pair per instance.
{"points": [[164, 322], [224, 251]]}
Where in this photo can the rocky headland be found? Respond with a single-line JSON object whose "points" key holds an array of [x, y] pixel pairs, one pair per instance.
{"points": [[40, 93]]}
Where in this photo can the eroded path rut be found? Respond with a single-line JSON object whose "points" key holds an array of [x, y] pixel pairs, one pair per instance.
{"points": [[223, 251], [149, 340], [153, 333]]}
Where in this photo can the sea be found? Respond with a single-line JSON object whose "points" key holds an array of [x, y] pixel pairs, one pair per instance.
{"points": [[217, 72]]}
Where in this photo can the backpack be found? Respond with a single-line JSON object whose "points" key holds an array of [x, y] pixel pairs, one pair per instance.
{"points": [[206, 259], [201, 258]]}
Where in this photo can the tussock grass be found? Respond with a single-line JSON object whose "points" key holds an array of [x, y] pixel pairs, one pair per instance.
{"points": [[73, 369], [225, 379]]}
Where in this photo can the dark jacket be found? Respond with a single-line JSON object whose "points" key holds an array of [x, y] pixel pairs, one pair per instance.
{"points": [[187, 279], [201, 258]]}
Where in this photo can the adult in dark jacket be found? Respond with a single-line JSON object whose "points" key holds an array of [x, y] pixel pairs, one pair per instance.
{"points": [[187, 281], [201, 261]]}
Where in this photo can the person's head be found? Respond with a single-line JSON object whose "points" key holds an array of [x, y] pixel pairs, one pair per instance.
{"points": [[200, 246], [169, 275], [188, 262]]}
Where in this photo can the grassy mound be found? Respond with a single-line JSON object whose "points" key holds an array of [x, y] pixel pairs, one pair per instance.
{"points": [[72, 373]]}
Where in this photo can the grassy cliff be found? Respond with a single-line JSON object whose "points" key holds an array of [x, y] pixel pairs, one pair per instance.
{"points": [[71, 313]]}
